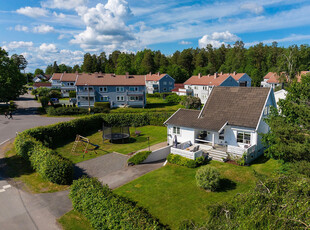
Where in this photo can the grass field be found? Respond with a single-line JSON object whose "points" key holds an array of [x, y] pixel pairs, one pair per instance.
{"points": [[73, 220], [156, 135], [20, 170], [170, 193]]}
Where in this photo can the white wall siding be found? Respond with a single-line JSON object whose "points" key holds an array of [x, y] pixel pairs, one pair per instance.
{"points": [[158, 154], [186, 134]]}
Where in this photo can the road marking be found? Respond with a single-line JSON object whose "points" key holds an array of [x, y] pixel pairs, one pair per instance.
{"points": [[4, 141], [6, 186]]}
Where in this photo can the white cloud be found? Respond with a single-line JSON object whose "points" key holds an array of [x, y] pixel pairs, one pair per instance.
{"points": [[105, 26], [17, 45], [21, 28], [184, 43], [34, 12], [64, 4], [216, 39], [48, 48], [252, 7], [43, 29]]}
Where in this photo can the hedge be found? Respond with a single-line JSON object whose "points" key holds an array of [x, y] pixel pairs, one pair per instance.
{"points": [[43, 160], [183, 161], [139, 157], [102, 105], [107, 210], [52, 111]]}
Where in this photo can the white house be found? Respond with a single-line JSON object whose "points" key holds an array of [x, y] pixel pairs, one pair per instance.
{"points": [[273, 79], [201, 86], [229, 123], [280, 94], [65, 82]]}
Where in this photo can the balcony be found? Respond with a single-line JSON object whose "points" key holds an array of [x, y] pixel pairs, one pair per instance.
{"points": [[135, 93], [85, 93], [67, 87]]}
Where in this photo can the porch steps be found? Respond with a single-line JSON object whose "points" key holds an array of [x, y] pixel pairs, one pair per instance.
{"points": [[217, 155]]}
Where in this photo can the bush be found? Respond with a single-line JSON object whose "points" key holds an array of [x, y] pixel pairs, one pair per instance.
{"points": [[69, 110], [208, 178], [102, 105], [72, 94], [153, 95], [106, 210], [183, 161], [173, 99], [139, 157], [44, 101], [54, 94], [43, 160], [191, 102]]}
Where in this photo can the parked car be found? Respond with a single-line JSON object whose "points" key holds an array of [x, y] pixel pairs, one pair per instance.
{"points": [[55, 100]]}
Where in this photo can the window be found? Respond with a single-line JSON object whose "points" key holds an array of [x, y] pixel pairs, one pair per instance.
{"points": [[104, 98], [133, 88], [120, 98], [176, 130], [119, 89], [221, 135], [165, 89], [196, 95], [133, 98], [71, 83], [195, 87], [103, 89], [243, 137], [170, 82], [165, 83]]}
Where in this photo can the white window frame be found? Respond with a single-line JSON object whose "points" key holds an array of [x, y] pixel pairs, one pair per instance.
{"points": [[222, 135], [136, 98], [176, 130], [244, 141], [103, 89], [133, 89], [102, 98], [165, 83], [120, 98], [119, 89]]}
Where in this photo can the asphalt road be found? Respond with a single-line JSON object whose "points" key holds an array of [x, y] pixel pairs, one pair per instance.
{"points": [[19, 209], [24, 118]]}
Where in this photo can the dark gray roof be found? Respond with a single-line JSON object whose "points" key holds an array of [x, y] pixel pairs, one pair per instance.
{"points": [[239, 106]]}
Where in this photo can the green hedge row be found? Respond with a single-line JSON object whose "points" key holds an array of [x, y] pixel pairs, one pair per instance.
{"points": [[183, 161], [102, 105], [52, 135], [74, 111], [139, 157], [106, 210], [43, 160]]}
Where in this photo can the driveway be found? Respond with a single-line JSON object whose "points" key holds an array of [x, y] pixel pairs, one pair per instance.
{"points": [[112, 169], [24, 118]]}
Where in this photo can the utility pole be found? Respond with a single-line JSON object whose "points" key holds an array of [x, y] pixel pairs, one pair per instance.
{"points": [[88, 98]]}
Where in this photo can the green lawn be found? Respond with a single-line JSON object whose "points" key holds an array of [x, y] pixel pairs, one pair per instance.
{"points": [[73, 220], [170, 193], [20, 170], [156, 134]]}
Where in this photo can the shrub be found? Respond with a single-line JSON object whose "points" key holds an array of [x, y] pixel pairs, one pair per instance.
{"points": [[44, 101], [72, 94], [102, 105], [54, 94], [183, 161], [69, 110], [173, 99], [208, 178], [106, 210], [139, 157], [24, 145], [191, 102], [153, 95]]}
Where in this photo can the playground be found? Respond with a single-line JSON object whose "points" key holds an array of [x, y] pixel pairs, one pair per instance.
{"points": [[88, 147]]}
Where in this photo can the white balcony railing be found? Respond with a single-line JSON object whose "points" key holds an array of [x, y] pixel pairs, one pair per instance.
{"points": [[85, 93], [240, 150]]}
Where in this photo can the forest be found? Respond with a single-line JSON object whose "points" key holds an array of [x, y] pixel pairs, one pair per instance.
{"points": [[256, 61]]}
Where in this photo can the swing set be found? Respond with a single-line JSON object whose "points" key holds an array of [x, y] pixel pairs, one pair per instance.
{"points": [[85, 141]]}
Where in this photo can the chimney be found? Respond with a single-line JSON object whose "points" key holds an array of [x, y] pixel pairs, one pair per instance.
{"points": [[234, 73], [150, 73], [127, 74], [100, 72], [158, 74], [208, 75], [221, 73], [199, 75], [215, 75]]}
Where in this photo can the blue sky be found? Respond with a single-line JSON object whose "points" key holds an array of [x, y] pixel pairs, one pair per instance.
{"points": [[64, 30]]}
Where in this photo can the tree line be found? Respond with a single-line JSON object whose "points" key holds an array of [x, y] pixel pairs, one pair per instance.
{"points": [[256, 61]]}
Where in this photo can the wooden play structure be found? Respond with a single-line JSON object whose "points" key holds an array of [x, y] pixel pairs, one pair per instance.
{"points": [[85, 141]]}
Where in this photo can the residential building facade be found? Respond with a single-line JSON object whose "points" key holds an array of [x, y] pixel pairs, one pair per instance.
{"points": [[201, 86], [273, 79], [159, 83], [230, 123], [119, 90], [65, 82]]}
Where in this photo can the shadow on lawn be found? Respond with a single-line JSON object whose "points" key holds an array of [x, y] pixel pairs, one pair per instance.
{"points": [[261, 160], [226, 185], [15, 166]]}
